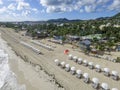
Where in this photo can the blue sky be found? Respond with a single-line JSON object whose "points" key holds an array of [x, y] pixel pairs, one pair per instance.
{"points": [[34, 10]]}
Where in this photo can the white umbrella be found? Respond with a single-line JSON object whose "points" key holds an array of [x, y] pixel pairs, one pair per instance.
{"points": [[67, 65], [115, 73], [70, 56], [85, 61], [56, 60], [114, 89], [79, 59], [95, 80], [90, 63], [105, 86], [62, 63], [106, 69], [98, 66], [79, 72], [85, 75], [75, 57], [72, 68]]}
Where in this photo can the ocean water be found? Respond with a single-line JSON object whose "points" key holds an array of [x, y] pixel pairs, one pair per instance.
{"points": [[8, 80]]}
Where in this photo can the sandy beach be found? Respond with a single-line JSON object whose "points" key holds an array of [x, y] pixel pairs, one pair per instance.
{"points": [[29, 76], [39, 72]]}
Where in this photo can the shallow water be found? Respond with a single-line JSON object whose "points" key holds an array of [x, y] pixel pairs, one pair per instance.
{"points": [[8, 80]]}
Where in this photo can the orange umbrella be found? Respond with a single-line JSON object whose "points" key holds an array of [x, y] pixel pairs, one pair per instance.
{"points": [[66, 51]]}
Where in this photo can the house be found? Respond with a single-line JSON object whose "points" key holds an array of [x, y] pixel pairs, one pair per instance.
{"points": [[73, 38], [118, 48], [41, 34], [85, 44]]}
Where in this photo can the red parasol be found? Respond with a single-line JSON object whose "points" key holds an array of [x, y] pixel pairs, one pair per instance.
{"points": [[66, 51]]}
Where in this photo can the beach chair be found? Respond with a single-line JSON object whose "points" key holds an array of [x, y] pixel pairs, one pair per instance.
{"points": [[86, 78], [62, 64], [79, 61], [106, 71], [95, 83], [97, 68], [67, 67], [75, 58], [104, 86], [114, 75], [79, 74], [57, 62], [85, 63], [72, 70], [90, 65]]}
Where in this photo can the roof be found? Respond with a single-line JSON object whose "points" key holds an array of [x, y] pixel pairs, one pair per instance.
{"points": [[86, 42]]}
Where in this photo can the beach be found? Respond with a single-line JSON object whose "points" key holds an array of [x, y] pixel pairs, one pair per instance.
{"points": [[27, 76], [39, 72]]}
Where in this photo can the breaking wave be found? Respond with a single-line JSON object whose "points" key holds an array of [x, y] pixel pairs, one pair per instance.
{"points": [[8, 79]]}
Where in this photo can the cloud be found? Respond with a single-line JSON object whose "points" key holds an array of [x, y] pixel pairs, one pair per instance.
{"points": [[23, 5], [115, 5], [1, 2], [3, 10], [26, 13], [12, 6], [90, 8], [52, 6], [35, 10]]}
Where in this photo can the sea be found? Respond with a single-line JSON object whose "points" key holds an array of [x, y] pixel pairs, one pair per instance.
{"points": [[8, 79]]}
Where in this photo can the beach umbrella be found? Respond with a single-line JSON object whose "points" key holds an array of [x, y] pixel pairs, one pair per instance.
{"points": [[57, 62], [70, 56], [114, 89], [75, 58], [104, 86], [72, 70], [62, 64], [79, 60], [67, 67], [66, 51]]}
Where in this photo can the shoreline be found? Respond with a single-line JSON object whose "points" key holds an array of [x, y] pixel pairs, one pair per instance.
{"points": [[20, 61]]}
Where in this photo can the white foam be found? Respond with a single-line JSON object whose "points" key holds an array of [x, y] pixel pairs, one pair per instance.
{"points": [[8, 79]]}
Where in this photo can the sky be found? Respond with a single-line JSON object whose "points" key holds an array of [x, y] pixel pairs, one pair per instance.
{"points": [[35, 10]]}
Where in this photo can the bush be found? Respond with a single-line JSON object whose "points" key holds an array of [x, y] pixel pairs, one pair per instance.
{"points": [[118, 59]]}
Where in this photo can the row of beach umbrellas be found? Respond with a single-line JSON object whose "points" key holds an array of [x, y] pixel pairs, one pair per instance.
{"points": [[106, 58], [79, 74], [31, 47], [97, 67], [56, 41], [43, 45]]}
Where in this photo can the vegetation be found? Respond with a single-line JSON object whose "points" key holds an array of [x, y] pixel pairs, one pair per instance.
{"points": [[63, 27]]}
